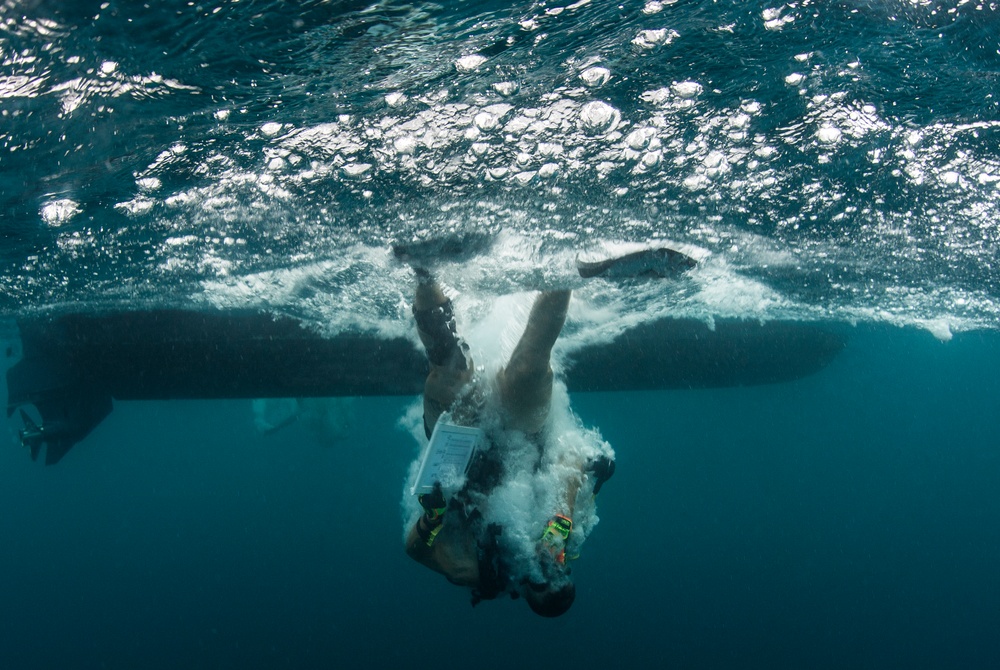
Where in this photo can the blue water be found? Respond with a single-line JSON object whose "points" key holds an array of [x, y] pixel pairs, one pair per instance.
{"points": [[848, 519], [830, 162]]}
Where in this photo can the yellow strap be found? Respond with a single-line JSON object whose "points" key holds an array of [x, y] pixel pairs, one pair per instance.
{"points": [[434, 533]]}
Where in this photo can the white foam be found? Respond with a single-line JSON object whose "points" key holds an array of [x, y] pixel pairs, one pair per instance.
{"points": [[530, 493], [469, 63], [58, 212], [324, 293], [648, 39], [939, 328]]}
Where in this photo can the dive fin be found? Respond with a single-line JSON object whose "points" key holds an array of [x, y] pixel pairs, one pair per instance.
{"points": [[659, 263], [456, 247]]}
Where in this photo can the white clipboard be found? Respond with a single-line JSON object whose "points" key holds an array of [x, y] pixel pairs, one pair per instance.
{"points": [[447, 456]]}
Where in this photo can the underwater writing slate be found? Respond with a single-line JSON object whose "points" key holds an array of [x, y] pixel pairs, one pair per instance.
{"points": [[447, 456]]}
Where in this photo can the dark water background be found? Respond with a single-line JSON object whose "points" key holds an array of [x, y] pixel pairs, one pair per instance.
{"points": [[850, 519]]}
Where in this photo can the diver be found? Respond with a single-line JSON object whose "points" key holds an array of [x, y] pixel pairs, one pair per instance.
{"points": [[456, 534]]}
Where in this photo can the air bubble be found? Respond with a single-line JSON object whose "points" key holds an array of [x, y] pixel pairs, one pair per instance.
{"points": [[651, 159], [271, 129], [714, 159], [686, 89], [599, 117], [950, 178], [506, 88], [639, 138], [405, 145], [469, 63], [58, 212], [486, 121], [595, 77], [648, 39], [548, 170], [828, 135], [356, 169], [549, 149], [395, 99], [659, 97]]}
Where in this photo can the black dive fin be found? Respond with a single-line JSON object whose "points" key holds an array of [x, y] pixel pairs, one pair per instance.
{"points": [[456, 247], [660, 263]]}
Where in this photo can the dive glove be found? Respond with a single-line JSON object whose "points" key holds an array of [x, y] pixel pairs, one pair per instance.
{"points": [[433, 503]]}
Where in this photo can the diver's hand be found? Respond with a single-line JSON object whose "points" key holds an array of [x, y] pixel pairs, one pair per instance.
{"points": [[602, 468], [433, 503]]}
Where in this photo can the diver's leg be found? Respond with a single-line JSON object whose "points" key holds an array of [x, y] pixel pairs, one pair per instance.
{"points": [[451, 364], [526, 382]]}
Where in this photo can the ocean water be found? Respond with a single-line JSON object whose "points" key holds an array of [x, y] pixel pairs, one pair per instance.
{"points": [[847, 519], [827, 162]]}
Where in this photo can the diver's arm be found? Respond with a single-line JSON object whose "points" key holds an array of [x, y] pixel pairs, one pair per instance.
{"points": [[555, 536], [570, 471], [417, 547], [570, 474], [454, 557], [421, 539]]}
